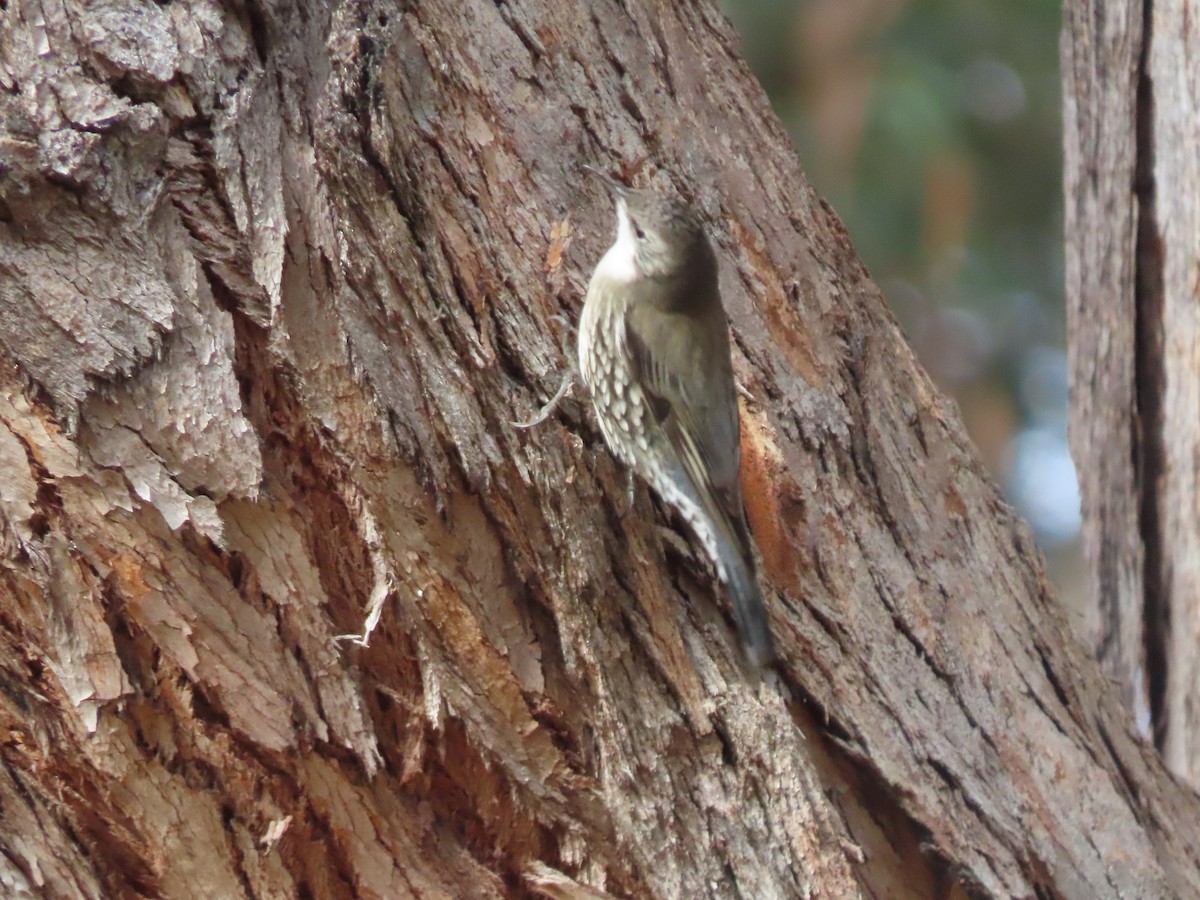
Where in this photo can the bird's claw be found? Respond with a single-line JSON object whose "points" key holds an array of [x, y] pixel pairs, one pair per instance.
{"points": [[546, 411]]}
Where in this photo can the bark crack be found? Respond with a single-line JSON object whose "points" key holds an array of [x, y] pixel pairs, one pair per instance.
{"points": [[1150, 389]]}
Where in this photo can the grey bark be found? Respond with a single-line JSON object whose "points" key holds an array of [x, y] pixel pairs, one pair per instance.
{"points": [[1132, 124]]}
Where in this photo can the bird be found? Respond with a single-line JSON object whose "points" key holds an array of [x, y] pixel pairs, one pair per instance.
{"points": [[654, 353]]}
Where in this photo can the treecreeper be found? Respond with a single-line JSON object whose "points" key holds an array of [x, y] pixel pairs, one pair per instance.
{"points": [[654, 353]]}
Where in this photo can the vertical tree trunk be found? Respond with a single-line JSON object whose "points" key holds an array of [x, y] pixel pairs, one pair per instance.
{"points": [[276, 279], [1132, 123], [1101, 56]]}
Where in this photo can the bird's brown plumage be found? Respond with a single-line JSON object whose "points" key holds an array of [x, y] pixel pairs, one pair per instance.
{"points": [[654, 350]]}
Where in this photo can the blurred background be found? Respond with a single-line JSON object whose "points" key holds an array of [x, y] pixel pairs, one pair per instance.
{"points": [[933, 127]]}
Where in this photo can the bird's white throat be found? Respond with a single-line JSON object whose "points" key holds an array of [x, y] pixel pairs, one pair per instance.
{"points": [[620, 262]]}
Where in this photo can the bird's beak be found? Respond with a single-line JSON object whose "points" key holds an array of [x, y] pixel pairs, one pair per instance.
{"points": [[613, 185]]}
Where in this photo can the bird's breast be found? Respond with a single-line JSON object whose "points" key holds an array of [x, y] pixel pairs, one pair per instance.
{"points": [[620, 406], [601, 327], [619, 263]]}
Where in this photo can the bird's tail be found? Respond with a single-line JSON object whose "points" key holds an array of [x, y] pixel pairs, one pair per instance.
{"points": [[719, 521], [735, 565]]}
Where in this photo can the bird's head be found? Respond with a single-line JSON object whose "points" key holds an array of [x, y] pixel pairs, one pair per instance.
{"points": [[657, 237]]}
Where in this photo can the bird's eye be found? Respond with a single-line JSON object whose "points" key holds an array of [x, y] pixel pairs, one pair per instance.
{"points": [[637, 229]]}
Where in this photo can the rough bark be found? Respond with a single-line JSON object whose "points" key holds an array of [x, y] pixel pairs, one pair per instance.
{"points": [[275, 280], [1132, 124], [1101, 58]]}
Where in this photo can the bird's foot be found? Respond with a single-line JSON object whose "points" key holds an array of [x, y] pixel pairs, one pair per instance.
{"points": [[546, 411], [568, 382]]}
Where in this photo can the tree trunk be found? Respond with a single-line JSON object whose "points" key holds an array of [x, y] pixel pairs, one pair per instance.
{"points": [[276, 279], [1132, 89]]}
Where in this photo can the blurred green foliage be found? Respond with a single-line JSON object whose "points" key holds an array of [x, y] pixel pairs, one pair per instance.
{"points": [[933, 129]]}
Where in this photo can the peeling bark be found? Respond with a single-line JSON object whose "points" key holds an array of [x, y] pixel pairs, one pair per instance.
{"points": [[277, 280]]}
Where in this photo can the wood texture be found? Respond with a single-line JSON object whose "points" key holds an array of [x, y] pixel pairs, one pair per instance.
{"points": [[1132, 125], [1174, 71], [279, 278], [1101, 58]]}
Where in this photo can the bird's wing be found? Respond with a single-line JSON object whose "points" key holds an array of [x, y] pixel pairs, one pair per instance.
{"points": [[681, 362]]}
